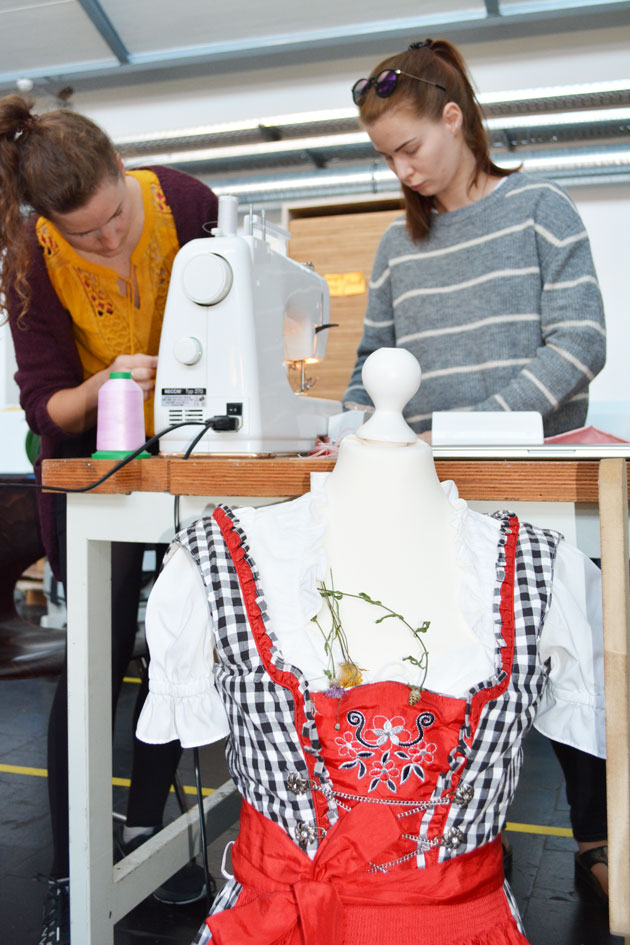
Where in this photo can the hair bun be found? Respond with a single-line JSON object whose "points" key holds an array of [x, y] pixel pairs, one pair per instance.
{"points": [[16, 117], [421, 44]]}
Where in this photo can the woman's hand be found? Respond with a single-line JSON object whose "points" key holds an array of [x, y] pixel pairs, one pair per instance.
{"points": [[142, 367], [426, 436], [74, 409]]}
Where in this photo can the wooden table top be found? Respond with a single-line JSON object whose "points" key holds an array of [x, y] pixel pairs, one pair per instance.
{"points": [[500, 480]]}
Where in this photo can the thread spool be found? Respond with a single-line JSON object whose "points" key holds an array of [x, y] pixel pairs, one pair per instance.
{"points": [[120, 417]]}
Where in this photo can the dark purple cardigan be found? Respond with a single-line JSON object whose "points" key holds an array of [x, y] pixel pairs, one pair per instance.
{"points": [[47, 356]]}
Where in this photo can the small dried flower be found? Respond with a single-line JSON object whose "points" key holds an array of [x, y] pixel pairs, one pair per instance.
{"points": [[334, 691], [349, 674]]}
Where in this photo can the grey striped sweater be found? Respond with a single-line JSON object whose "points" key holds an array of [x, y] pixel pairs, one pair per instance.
{"points": [[500, 304]]}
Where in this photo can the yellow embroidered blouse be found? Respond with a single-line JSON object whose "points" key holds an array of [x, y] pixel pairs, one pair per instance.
{"points": [[106, 322]]}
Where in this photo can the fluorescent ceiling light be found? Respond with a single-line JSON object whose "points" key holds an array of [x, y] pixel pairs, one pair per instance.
{"points": [[351, 114], [199, 155], [546, 120], [512, 8], [554, 91], [575, 160], [232, 127]]}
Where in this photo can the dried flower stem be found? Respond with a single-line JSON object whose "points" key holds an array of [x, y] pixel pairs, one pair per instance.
{"points": [[336, 633]]}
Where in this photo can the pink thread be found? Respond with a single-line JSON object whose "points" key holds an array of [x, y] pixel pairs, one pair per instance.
{"points": [[120, 423]]}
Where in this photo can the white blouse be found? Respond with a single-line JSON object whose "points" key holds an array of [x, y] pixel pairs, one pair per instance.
{"points": [[286, 543]]}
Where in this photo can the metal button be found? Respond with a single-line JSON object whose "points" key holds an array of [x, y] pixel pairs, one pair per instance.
{"points": [[453, 838], [463, 794], [297, 784], [306, 833]]}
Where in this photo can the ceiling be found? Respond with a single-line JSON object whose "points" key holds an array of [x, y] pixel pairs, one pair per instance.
{"points": [[64, 46], [91, 43]]}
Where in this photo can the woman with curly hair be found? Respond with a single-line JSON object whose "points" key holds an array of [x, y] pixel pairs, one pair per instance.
{"points": [[87, 251]]}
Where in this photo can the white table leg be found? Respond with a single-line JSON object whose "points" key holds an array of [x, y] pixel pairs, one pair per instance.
{"points": [[89, 736], [100, 894]]}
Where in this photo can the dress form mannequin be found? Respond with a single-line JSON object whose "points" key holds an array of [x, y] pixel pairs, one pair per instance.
{"points": [[390, 530]]}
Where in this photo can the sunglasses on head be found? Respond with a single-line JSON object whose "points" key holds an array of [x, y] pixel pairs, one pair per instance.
{"points": [[384, 84]]}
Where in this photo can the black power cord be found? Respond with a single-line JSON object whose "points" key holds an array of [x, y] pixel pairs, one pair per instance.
{"points": [[219, 423], [196, 760], [190, 448]]}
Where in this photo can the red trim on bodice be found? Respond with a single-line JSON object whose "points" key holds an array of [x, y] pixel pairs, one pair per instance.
{"points": [[287, 680]]}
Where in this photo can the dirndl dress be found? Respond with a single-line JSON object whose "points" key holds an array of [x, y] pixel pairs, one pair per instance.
{"points": [[364, 818]]}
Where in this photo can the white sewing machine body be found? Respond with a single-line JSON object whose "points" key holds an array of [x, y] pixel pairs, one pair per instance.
{"points": [[236, 310]]}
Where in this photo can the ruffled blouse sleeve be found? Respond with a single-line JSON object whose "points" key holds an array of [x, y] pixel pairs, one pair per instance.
{"points": [[183, 702], [572, 706]]}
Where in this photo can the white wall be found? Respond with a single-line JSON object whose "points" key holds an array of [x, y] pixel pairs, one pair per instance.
{"points": [[13, 427], [606, 211], [9, 394]]}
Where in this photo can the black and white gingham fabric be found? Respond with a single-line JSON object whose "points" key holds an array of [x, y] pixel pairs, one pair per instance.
{"points": [[264, 748], [494, 757]]}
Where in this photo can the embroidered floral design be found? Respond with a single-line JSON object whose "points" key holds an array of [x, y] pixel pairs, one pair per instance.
{"points": [[423, 752], [349, 747], [99, 299], [46, 239], [394, 765], [384, 771], [388, 730]]}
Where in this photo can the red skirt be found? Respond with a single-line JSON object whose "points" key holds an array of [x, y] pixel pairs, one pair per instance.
{"points": [[289, 899]]}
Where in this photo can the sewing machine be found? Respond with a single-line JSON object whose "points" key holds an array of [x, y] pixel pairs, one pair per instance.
{"points": [[238, 310]]}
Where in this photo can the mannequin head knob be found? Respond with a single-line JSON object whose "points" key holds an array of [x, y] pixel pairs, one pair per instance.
{"points": [[391, 377]]}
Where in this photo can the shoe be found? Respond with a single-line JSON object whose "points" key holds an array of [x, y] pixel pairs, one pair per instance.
{"points": [[585, 878], [186, 885], [56, 922]]}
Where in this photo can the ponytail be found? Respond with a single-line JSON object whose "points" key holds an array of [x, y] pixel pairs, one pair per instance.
{"points": [[447, 80], [51, 163], [16, 121]]}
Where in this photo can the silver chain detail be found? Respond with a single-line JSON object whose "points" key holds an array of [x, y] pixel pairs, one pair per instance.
{"points": [[453, 838]]}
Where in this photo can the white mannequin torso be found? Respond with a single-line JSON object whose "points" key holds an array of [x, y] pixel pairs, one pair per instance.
{"points": [[389, 534]]}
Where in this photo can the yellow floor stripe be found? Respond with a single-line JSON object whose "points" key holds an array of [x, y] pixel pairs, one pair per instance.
{"points": [[536, 828], [19, 769], [117, 782]]}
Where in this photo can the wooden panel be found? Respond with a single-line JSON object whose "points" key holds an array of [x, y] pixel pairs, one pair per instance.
{"points": [[339, 243], [140, 475], [522, 480], [289, 476], [500, 480], [613, 508]]}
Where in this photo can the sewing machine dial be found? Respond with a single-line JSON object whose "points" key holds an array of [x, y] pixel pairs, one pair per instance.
{"points": [[187, 350], [207, 278]]}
